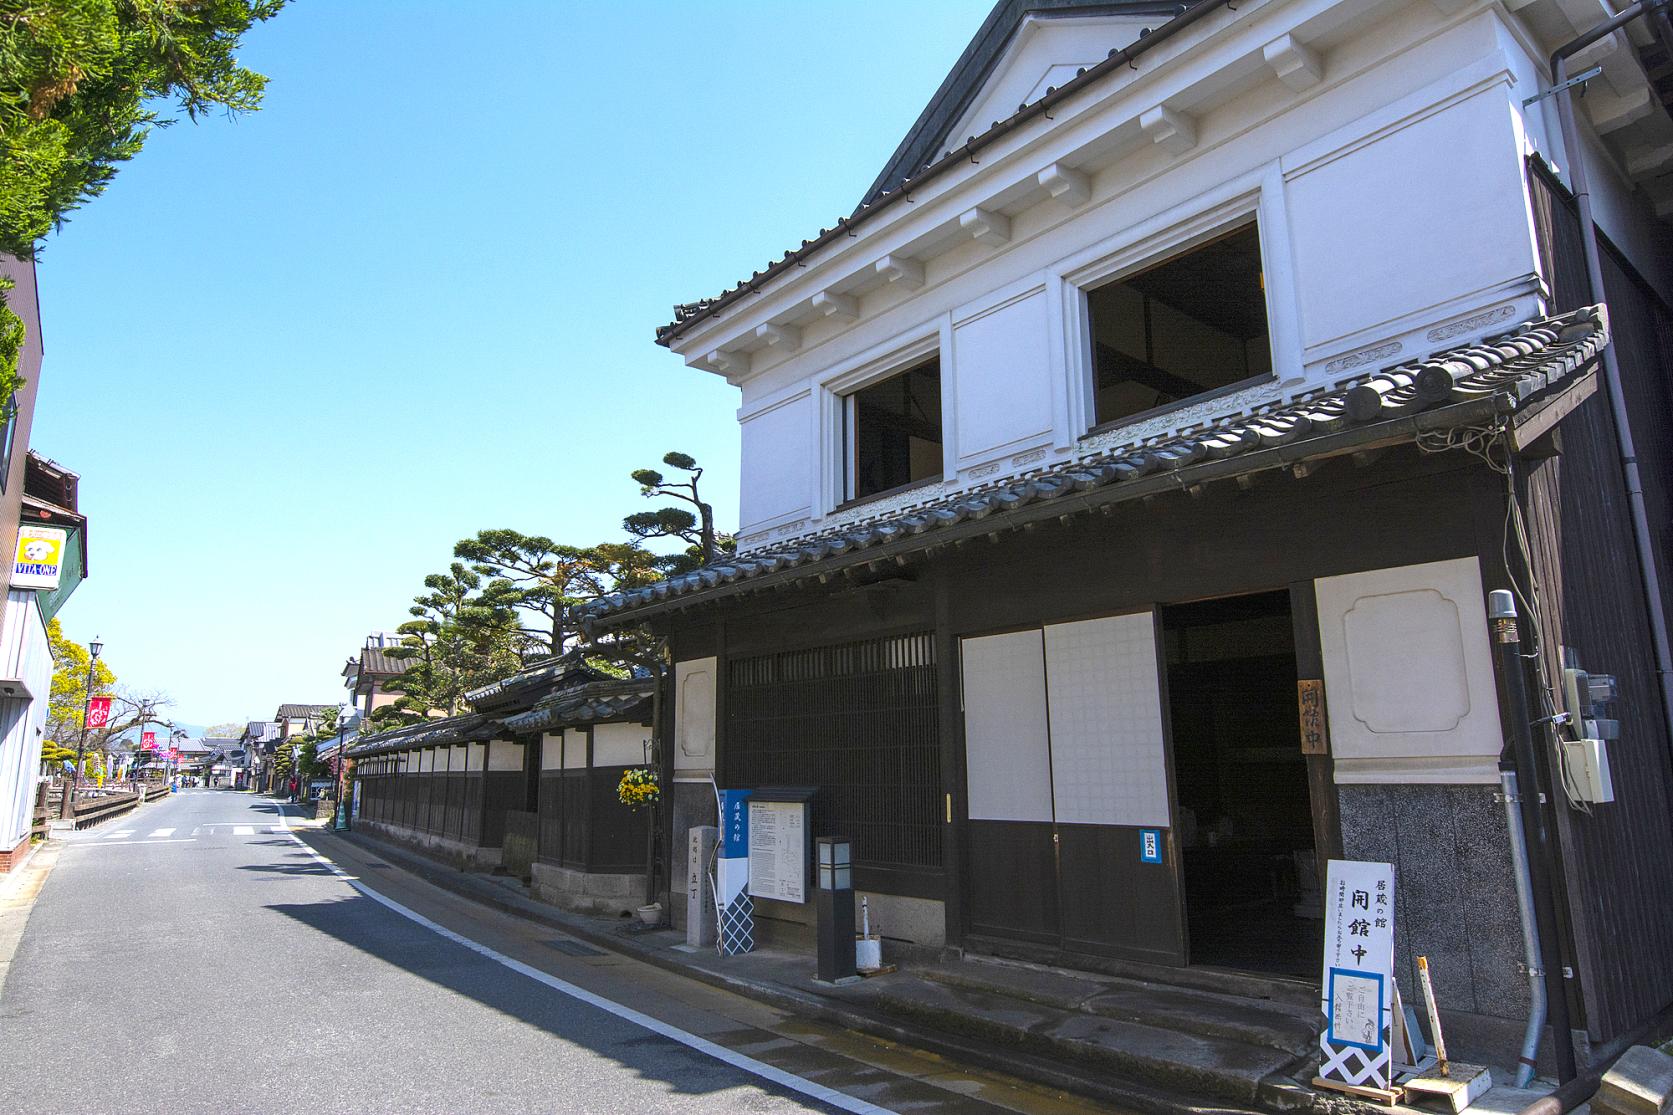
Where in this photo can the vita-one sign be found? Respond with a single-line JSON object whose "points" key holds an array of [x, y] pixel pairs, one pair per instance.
{"points": [[39, 561], [1358, 984]]}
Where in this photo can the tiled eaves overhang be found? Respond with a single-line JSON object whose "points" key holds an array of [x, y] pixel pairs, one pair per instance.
{"points": [[1477, 385], [471, 728], [590, 704], [688, 314]]}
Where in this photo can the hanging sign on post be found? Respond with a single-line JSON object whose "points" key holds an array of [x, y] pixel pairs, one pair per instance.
{"points": [[1358, 979], [148, 741], [98, 712]]}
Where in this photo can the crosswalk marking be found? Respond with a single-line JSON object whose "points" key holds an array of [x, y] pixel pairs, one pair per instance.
{"points": [[243, 830], [277, 828], [159, 833], [120, 835]]}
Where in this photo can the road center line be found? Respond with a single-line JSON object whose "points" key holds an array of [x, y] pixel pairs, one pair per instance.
{"points": [[691, 1041]]}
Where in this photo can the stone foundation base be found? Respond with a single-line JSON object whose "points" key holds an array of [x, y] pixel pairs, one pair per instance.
{"points": [[454, 852], [585, 892], [11, 857]]}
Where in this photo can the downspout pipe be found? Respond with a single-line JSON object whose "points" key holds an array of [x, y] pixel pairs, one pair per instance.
{"points": [[1649, 577], [1507, 648], [1530, 928]]}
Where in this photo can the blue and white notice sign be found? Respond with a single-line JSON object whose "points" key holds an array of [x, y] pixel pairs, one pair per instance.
{"points": [[1150, 845], [735, 913], [1358, 983]]}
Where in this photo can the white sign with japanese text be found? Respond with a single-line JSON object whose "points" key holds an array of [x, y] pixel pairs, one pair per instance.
{"points": [[1358, 985], [778, 851]]}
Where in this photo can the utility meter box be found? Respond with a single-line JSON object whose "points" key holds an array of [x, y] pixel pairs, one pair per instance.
{"points": [[1587, 764]]}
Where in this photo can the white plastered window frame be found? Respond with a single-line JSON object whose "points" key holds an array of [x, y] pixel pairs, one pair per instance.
{"points": [[836, 390], [1256, 198]]}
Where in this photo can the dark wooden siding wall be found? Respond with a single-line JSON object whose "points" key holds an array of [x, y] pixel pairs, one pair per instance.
{"points": [[860, 721], [585, 827], [448, 804], [1618, 858]]}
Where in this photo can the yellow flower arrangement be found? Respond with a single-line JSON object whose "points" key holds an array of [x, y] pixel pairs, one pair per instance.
{"points": [[638, 787]]}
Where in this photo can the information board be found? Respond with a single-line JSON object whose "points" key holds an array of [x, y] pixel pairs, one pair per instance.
{"points": [[778, 850], [1358, 983]]}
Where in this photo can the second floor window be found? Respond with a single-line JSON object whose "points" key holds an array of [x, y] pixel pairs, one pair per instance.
{"points": [[892, 431], [1190, 325]]}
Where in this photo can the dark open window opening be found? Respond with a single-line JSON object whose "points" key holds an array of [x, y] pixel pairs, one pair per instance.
{"points": [[1186, 327], [894, 431], [1245, 810]]}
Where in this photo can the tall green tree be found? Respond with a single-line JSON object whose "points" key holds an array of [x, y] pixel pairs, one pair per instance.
{"points": [[82, 84], [464, 634], [548, 579], [695, 527]]}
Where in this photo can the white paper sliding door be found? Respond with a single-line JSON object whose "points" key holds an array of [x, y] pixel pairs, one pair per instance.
{"points": [[1103, 692], [1007, 757]]}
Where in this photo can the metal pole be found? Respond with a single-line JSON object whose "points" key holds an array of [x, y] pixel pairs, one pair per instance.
{"points": [[67, 806], [1507, 645]]}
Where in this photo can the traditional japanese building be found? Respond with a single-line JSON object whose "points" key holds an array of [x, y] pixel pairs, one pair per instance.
{"points": [[543, 751], [1182, 361]]}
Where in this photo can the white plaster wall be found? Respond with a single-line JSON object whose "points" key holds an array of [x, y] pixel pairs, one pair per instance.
{"points": [[505, 755], [476, 756], [620, 745], [1409, 688], [26, 655], [574, 748], [551, 751], [1393, 222], [694, 719], [778, 457], [1002, 378]]}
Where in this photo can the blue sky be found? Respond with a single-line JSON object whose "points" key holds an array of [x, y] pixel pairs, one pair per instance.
{"points": [[297, 355]]}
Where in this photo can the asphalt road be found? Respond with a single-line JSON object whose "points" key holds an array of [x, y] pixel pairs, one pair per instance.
{"points": [[195, 956]]}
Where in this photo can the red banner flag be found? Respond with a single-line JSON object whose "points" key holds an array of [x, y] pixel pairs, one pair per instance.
{"points": [[98, 712], [148, 741]]}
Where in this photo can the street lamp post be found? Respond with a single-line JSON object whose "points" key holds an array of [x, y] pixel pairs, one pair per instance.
{"points": [[68, 805]]}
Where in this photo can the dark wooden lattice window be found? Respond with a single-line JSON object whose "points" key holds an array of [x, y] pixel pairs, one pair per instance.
{"points": [[861, 722]]}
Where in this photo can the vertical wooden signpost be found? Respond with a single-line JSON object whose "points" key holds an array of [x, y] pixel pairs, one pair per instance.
{"points": [[1357, 991]]}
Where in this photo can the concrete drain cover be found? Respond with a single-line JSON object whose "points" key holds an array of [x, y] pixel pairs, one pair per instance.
{"points": [[574, 948]]}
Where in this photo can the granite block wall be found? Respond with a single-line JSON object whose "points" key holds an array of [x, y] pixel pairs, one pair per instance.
{"points": [[1455, 897]]}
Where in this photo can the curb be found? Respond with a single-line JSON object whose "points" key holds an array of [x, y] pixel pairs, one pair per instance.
{"points": [[1127, 1095]]}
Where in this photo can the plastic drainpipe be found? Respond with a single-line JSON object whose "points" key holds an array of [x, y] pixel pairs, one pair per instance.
{"points": [[1530, 929]]}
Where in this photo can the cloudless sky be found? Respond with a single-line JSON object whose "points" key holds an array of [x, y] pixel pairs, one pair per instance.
{"points": [[297, 355]]}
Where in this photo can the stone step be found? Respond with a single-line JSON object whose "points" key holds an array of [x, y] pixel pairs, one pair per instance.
{"points": [[1280, 1026], [1189, 1063], [1220, 981]]}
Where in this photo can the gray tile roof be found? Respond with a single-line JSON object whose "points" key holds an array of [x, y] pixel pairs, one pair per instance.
{"points": [[586, 704], [432, 733], [1450, 389], [375, 661], [295, 712]]}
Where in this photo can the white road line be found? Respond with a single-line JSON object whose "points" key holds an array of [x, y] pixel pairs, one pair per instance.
{"points": [[720, 1053], [157, 834], [278, 828], [243, 830], [123, 835], [129, 843]]}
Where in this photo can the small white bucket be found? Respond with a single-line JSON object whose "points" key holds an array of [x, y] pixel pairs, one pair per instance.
{"points": [[868, 953]]}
